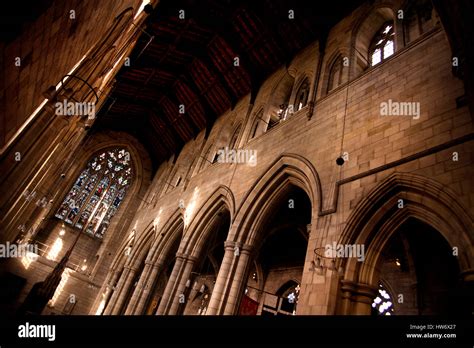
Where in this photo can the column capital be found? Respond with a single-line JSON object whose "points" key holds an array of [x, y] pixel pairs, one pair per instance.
{"points": [[246, 248], [131, 268], [358, 292], [230, 245], [186, 257], [153, 263], [181, 256]]}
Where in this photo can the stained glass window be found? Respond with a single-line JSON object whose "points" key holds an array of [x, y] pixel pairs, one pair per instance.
{"points": [[382, 304], [98, 192], [383, 44]]}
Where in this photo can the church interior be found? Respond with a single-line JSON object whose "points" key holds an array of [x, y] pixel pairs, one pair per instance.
{"points": [[241, 158]]}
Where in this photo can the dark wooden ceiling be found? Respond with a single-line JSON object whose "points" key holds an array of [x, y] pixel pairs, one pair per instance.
{"points": [[18, 15], [191, 62]]}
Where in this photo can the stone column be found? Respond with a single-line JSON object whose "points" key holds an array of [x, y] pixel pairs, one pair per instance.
{"points": [[106, 290], [118, 288], [222, 279], [231, 302], [148, 288], [121, 290], [346, 290], [138, 289], [166, 298], [125, 290], [180, 288], [363, 299], [357, 298]]}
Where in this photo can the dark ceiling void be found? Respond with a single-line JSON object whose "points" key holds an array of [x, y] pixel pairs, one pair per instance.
{"points": [[18, 15], [191, 62]]}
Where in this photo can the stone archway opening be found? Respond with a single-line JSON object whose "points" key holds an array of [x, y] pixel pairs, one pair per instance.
{"points": [[418, 274], [279, 257], [201, 282], [158, 288]]}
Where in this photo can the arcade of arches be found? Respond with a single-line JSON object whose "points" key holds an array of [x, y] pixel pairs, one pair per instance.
{"points": [[207, 187]]}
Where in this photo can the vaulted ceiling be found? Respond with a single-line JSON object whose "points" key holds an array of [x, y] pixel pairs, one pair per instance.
{"points": [[190, 62]]}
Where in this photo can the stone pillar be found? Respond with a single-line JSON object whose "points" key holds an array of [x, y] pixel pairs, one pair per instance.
{"points": [[346, 292], [120, 291], [357, 298], [363, 298], [222, 279], [231, 302], [138, 289], [166, 299], [118, 288], [180, 288], [125, 290], [106, 290], [147, 288]]}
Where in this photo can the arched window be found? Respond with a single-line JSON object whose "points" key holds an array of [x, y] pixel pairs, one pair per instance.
{"points": [[302, 95], [98, 192], [235, 136], [289, 294], [383, 45], [217, 155], [419, 19], [335, 74], [256, 125], [254, 130]]}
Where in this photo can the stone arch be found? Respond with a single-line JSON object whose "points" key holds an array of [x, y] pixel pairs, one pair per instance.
{"points": [[170, 231], [128, 272], [142, 243], [378, 217], [141, 247], [286, 172], [199, 228], [140, 159], [287, 169], [285, 284], [415, 24], [256, 123], [364, 29], [280, 94], [120, 258], [304, 78], [235, 136], [160, 254], [333, 59], [141, 166]]}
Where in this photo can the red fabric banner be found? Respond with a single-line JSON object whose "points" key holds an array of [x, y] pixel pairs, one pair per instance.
{"points": [[248, 306]]}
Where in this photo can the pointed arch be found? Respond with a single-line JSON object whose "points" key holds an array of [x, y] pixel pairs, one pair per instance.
{"points": [[280, 98], [257, 124], [287, 169], [377, 218], [199, 228], [120, 258], [363, 32], [98, 191], [302, 90], [166, 236], [141, 247], [235, 136]]}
